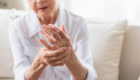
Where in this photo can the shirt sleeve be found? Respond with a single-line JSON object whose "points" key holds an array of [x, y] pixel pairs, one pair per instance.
{"points": [[21, 62], [83, 50]]}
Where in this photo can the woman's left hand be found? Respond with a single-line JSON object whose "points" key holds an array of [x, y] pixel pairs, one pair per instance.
{"points": [[57, 37]]}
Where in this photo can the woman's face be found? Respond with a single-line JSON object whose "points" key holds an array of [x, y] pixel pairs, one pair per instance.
{"points": [[42, 7]]}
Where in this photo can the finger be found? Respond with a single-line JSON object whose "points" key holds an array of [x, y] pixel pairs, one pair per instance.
{"points": [[60, 57], [55, 53], [63, 29], [47, 37], [51, 32], [45, 44], [62, 61], [58, 31], [65, 54]]}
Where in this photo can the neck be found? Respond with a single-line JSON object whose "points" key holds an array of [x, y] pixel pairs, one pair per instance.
{"points": [[50, 19]]}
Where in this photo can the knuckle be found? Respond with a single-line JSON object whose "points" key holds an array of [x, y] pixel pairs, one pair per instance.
{"points": [[59, 32], [51, 40], [48, 47], [62, 44], [53, 34], [54, 41]]}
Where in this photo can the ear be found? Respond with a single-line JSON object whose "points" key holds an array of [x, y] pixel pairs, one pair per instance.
{"points": [[63, 29]]}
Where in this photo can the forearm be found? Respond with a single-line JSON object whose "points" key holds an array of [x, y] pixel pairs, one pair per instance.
{"points": [[36, 69], [78, 71]]}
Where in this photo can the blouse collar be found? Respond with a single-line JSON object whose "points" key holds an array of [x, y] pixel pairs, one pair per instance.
{"points": [[35, 25]]}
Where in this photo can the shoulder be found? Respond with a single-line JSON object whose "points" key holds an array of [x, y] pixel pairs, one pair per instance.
{"points": [[19, 26], [18, 22]]}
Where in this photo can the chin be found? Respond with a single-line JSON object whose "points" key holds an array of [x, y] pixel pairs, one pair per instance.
{"points": [[44, 13]]}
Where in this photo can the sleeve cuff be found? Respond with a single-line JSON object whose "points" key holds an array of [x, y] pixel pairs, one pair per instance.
{"points": [[20, 75], [92, 75]]}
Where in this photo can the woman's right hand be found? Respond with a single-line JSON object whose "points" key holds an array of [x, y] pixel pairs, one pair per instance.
{"points": [[56, 57]]}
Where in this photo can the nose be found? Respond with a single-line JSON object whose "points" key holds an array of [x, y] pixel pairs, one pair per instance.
{"points": [[40, 1]]}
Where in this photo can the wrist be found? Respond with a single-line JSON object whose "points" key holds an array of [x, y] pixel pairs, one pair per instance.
{"points": [[35, 70], [73, 59], [37, 64], [77, 68]]}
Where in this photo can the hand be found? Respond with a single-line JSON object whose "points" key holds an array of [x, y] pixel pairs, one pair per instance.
{"points": [[60, 39], [54, 57], [57, 37]]}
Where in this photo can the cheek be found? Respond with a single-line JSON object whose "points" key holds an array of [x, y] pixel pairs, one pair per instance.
{"points": [[52, 3]]}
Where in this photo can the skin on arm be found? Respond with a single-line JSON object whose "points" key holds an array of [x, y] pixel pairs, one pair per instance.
{"points": [[78, 71], [34, 72]]}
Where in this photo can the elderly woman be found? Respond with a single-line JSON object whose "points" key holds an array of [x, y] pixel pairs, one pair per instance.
{"points": [[50, 43]]}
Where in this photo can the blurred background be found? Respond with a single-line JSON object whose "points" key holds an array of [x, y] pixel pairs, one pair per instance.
{"points": [[103, 9]]}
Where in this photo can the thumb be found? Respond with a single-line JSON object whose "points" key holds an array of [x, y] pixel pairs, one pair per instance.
{"points": [[63, 29]]}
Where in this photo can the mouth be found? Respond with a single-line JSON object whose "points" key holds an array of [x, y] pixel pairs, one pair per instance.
{"points": [[43, 8]]}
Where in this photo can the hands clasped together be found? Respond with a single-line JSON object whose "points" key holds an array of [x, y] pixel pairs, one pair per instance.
{"points": [[61, 49]]}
